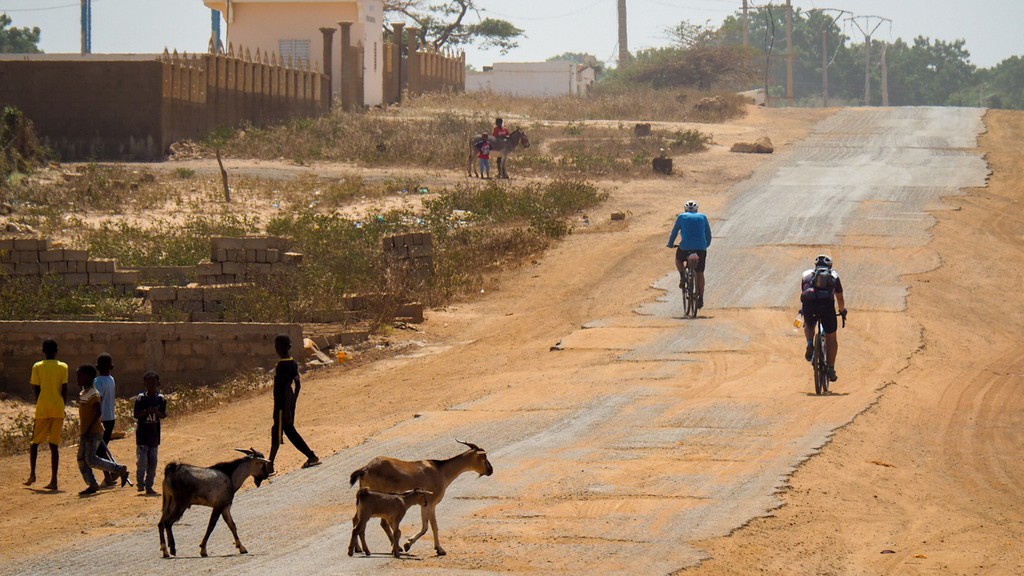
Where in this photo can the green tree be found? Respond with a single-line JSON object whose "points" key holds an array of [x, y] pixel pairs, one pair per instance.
{"points": [[929, 73], [580, 58], [444, 24], [699, 59], [18, 40]]}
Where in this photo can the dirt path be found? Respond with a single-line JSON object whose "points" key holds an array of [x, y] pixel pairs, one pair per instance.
{"points": [[601, 459]]}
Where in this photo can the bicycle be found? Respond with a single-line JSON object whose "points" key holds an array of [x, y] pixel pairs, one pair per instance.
{"points": [[818, 360], [689, 286]]}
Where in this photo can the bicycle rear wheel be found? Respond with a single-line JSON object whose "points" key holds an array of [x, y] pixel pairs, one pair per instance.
{"points": [[689, 295], [820, 366]]}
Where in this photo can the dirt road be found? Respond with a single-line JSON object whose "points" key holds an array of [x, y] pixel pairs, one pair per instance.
{"points": [[642, 439]]}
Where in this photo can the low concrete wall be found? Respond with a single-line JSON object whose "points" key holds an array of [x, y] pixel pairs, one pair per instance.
{"points": [[194, 353]]}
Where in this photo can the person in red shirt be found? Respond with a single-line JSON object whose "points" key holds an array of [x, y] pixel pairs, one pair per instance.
{"points": [[484, 155], [499, 130]]}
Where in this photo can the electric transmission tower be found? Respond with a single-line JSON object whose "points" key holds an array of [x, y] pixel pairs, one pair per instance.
{"points": [[878, 20], [624, 56]]}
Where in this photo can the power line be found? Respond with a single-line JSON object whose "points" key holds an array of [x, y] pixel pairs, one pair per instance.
{"points": [[44, 8]]}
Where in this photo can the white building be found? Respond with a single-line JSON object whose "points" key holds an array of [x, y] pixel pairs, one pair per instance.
{"points": [[538, 79]]}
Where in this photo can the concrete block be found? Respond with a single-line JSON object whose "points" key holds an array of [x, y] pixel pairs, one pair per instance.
{"points": [[273, 255], [256, 243], [250, 255], [231, 267], [101, 278], [294, 258], [26, 268], [261, 256], [213, 306], [219, 255], [209, 268], [60, 267], [76, 256], [206, 316], [127, 277], [222, 243], [6, 255], [388, 243], [77, 279], [163, 293], [51, 255], [412, 312], [190, 294], [26, 244], [6, 243], [25, 256], [236, 255]]}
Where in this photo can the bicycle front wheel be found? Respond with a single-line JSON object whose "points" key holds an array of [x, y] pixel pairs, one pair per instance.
{"points": [[820, 367]]}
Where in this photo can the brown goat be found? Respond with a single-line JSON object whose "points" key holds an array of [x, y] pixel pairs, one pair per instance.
{"points": [[390, 508], [385, 474]]}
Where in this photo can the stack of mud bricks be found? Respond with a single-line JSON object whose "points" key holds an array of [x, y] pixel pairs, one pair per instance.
{"points": [[416, 250], [40, 257], [234, 260], [199, 303]]}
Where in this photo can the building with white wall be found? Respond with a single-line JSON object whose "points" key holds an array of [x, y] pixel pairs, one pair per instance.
{"points": [[536, 79]]}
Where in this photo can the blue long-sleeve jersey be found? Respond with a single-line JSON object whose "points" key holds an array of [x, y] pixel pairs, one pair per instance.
{"points": [[695, 230]]}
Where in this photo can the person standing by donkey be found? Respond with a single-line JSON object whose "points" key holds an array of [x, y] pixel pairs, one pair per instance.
{"points": [[92, 434], [150, 409], [484, 155], [50, 386], [285, 373], [104, 384]]}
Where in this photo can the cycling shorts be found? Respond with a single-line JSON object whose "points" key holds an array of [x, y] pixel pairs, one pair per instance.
{"points": [[825, 311], [681, 256]]}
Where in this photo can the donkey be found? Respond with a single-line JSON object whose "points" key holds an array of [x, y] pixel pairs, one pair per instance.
{"points": [[501, 149], [185, 485]]}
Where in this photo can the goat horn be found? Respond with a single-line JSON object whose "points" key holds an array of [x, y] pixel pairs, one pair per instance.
{"points": [[473, 446], [246, 452]]}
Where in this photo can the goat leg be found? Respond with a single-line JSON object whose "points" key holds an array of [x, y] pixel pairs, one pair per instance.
{"points": [[433, 525], [231, 524], [423, 530], [209, 529], [394, 543]]}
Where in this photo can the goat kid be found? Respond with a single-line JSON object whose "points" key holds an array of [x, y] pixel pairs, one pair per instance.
{"points": [[390, 508], [185, 485], [385, 474]]}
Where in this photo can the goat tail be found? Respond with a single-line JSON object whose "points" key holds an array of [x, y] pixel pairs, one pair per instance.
{"points": [[356, 476]]}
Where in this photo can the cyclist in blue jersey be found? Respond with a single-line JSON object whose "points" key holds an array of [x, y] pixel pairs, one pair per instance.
{"points": [[694, 233]]}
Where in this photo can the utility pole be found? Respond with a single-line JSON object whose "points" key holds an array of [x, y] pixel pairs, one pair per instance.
{"points": [[789, 53], [867, 48], [885, 78], [624, 56], [746, 26], [86, 26]]}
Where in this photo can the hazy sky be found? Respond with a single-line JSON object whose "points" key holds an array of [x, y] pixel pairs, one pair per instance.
{"points": [[991, 28]]}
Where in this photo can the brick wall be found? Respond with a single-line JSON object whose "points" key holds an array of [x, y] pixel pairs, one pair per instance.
{"points": [[41, 257], [183, 353]]}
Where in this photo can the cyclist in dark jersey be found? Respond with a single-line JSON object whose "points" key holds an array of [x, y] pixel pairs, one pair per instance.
{"points": [[286, 372], [818, 302]]}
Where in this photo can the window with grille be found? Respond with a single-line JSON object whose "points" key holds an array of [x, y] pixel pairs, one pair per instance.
{"points": [[294, 51]]}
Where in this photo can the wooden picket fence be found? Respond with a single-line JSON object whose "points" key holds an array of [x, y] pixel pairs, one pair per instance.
{"points": [[204, 92]]}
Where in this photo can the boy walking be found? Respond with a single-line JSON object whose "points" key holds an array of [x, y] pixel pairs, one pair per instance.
{"points": [[150, 409], [104, 384], [286, 372], [50, 387], [92, 433]]}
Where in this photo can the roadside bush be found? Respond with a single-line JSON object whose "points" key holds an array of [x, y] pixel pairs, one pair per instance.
{"points": [[161, 242]]}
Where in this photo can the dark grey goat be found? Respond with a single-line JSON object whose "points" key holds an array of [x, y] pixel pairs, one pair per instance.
{"points": [[185, 485], [391, 508]]}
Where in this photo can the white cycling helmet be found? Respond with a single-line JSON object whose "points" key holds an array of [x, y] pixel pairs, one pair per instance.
{"points": [[823, 260], [690, 206]]}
